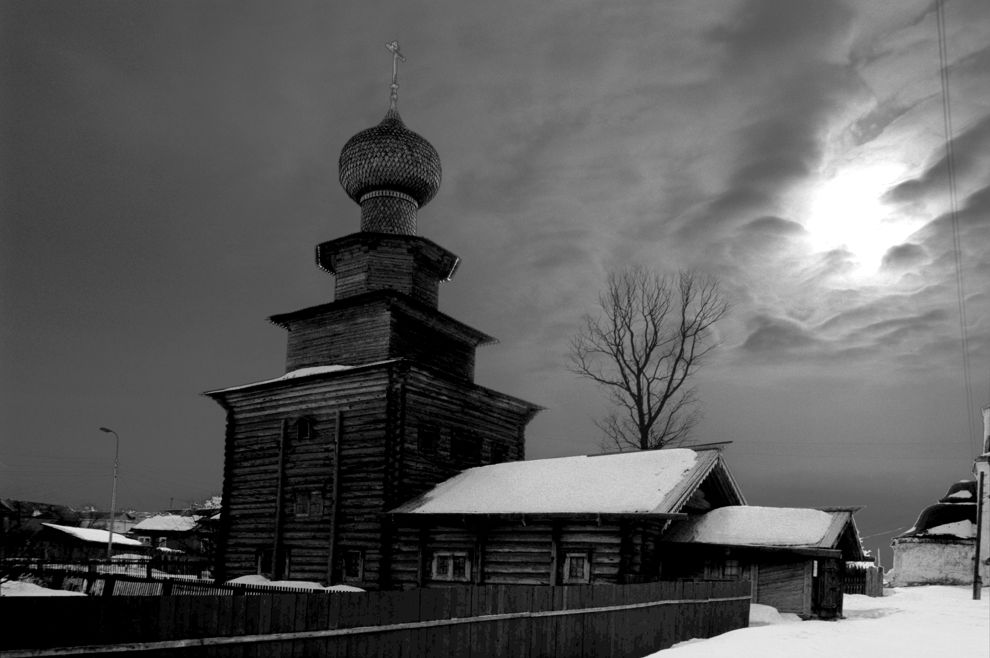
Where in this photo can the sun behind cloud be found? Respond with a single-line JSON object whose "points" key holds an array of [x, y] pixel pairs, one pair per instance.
{"points": [[846, 211]]}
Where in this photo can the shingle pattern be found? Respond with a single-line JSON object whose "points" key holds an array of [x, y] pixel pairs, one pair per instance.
{"points": [[389, 156]]}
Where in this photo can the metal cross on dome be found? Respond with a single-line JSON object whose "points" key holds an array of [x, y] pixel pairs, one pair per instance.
{"points": [[393, 47]]}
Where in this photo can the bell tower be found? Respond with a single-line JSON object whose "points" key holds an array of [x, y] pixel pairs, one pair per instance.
{"points": [[378, 401]]}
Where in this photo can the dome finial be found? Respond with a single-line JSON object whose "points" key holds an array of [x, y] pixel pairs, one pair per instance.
{"points": [[393, 100]]}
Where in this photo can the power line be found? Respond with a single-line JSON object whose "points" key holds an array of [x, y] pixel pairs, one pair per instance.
{"points": [[953, 213]]}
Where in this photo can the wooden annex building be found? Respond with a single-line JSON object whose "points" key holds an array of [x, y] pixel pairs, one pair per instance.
{"points": [[375, 460], [795, 558]]}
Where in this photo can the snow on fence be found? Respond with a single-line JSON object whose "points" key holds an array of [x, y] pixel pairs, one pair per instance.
{"points": [[490, 620]]}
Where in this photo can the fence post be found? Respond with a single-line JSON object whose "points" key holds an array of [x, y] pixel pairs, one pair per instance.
{"points": [[108, 584], [166, 587]]}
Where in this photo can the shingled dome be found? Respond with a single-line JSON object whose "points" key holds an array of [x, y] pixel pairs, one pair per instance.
{"points": [[390, 158]]}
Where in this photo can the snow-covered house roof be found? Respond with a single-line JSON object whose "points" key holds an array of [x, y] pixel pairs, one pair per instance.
{"points": [[658, 482], [771, 527], [93, 535], [166, 523]]}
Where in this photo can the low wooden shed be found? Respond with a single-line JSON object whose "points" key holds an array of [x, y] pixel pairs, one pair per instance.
{"points": [[565, 521], [794, 557]]}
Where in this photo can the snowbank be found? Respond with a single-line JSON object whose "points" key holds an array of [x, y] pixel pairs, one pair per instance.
{"points": [[23, 588], [765, 615], [297, 584], [916, 622]]}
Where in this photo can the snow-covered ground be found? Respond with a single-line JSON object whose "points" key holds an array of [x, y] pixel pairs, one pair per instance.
{"points": [[24, 588], [296, 584], [909, 622]]}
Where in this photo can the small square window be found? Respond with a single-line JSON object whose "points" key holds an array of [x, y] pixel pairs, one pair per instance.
{"points": [[452, 566], [162, 541], [577, 568], [354, 565], [731, 569], [145, 539]]}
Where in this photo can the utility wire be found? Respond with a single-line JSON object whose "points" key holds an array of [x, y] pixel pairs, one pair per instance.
{"points": [[954, 215]]}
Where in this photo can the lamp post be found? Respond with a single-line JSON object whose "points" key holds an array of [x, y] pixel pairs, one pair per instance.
{"points": [[113, 494]]}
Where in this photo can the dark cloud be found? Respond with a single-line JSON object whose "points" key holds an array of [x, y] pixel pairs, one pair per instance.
{"points": [[771, 226], [776, 336], [904, 256], [895, 330], [970, 155], [769, 33]]}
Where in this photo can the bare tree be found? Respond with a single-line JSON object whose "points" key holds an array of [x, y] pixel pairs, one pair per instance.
{"points": [[651, 335]]}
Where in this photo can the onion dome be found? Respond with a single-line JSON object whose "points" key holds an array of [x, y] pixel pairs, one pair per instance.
{"points": [[390, 171]]}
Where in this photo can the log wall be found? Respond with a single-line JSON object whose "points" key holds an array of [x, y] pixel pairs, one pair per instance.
{"points": [[256, 492], [513, 551]]}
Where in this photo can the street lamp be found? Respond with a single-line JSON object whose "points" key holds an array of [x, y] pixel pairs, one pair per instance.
{"points": [[113, 494]]}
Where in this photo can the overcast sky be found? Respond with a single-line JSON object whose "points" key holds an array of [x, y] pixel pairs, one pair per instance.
{"points": [[168, 168]]}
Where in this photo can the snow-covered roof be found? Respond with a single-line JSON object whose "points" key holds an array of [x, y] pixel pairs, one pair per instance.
{"points": [[297, 373], [94, 535], [166, 523], [650, 482], [746, 525], [959, 529]]}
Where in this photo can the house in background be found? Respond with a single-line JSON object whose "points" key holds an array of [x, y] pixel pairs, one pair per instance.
{"points": [[795, 558], [564, 521], [176, 532], [123, 520], [21, 523], [940, 548], [58, 542]]}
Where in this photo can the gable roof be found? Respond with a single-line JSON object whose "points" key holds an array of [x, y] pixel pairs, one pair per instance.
{"points": [[657, 482], [778, 527], [166, 523], [93, 535]]}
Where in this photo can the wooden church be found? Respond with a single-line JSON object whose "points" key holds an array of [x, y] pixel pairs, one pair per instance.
{"points": [[375, 460], [378, 402]]}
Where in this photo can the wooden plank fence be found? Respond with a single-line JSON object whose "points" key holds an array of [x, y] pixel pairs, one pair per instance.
{"points": [[617, 621], [863, 580]]}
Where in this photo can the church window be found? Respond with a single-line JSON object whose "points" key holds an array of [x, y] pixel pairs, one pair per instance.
{"points": [[316, 504], [465, 447], [577, 568], [264, 561], [428, 438], [499, 454], [453, 566], [301, 503], [353, 565], [304, 428]]}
